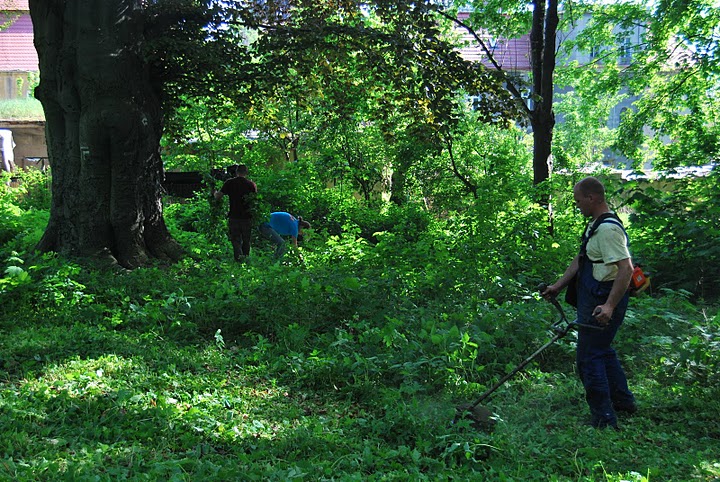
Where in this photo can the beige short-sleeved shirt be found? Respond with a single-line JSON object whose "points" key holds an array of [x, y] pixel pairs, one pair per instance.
{"points": [[610, 245]]}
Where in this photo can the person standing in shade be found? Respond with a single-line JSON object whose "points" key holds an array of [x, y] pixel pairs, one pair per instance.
{"points": [[283, 224], [241, 192], [601, 273]]}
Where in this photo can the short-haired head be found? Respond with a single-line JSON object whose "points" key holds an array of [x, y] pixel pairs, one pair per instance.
{"points": [[591, 186]]}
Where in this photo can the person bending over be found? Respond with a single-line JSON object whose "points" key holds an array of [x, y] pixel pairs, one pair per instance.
{"points": [[283, 224]]}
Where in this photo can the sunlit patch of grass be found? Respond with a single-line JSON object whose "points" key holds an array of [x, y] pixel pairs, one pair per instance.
{"points": [[21, 109], [710, 469]]}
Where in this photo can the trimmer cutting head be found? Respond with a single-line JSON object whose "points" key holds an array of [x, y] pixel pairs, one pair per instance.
{"points": [[481, 418]]}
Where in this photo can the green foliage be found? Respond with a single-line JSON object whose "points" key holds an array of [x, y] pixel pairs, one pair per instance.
{"points": [[674, 227], [347, 365], [669, 66], [32, 191], [11, 223], [202, 136], [688, 356], [481, 161], [582, 138], [200, 223], [21, 109], [24, 205]]}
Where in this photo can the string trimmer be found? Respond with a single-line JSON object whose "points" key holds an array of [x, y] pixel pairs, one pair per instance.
{"points": [[480, 415]]}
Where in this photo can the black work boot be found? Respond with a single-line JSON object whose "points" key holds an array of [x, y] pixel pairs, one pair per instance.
{"points": [[601, 409], [626, 409]]}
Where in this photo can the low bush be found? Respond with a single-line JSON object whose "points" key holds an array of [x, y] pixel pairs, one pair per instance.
{"points": [[674, 229]]}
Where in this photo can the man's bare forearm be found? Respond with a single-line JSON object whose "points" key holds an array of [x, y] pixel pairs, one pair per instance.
{"points": [[621, 283]]}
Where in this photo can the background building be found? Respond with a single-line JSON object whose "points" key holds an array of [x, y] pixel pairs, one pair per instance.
{"points": [[22, 136]]}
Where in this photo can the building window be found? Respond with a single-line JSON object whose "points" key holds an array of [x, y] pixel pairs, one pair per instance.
{"points": [[625, 51]]}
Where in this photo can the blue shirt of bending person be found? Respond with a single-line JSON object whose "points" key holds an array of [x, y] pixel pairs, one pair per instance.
{"points": [[283, 224]]}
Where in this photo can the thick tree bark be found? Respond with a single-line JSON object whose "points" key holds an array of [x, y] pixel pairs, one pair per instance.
{"points": [[103, 127], [542, 117]]}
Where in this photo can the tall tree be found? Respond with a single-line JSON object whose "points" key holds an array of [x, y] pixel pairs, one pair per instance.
{"points": [[106, 69], [511, 19], [542, 61], [103, 126]]}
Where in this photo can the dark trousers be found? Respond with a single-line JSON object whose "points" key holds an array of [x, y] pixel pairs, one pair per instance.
{"points": [[606, 387], [269, 233], [240, 234]]}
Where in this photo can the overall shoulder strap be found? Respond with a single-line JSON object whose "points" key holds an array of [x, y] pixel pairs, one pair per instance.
{"points": [[606, 218], [602, 219]]}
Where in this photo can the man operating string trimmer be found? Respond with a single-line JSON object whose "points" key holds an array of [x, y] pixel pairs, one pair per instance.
{"points": [[597, 281]]}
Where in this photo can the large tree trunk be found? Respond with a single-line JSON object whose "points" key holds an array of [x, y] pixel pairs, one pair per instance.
{"points": [[103, 127], [542, 56], [542, 127]]}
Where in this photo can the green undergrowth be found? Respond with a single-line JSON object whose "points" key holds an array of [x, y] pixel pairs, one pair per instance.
{"points": [[347, 364], [215, 371], [21, 109]]}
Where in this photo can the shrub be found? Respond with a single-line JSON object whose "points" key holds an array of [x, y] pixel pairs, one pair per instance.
{"points": [[675, 229]]}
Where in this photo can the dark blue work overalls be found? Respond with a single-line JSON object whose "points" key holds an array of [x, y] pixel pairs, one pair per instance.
{"points": [[606, 387]]}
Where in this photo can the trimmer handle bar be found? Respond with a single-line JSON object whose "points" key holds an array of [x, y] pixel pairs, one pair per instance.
{"points": [[557, 326]]}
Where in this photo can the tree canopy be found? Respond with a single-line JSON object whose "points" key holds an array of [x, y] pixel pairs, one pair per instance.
{"points": [[391, 71]]}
